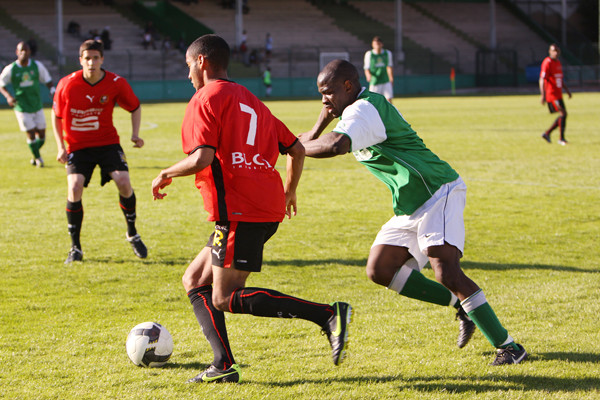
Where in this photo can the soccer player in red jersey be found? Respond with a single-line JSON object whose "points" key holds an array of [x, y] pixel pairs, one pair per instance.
{"points": [[232, 142], [551, 86], [82, 117]]}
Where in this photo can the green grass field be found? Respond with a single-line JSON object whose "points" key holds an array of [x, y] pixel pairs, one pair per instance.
{"points": [[533, 234]]}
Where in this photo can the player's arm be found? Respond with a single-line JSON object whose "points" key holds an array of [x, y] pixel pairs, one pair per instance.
{"points": [[192, 164], [323, 121], [57, 127], [295, 164], [566, 88], [390, 72], [136, 120], [329, 145], [9, 97]]}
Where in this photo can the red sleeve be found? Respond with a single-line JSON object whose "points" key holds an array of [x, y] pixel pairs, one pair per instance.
{"points": [[58, 101], [285, 137], [126, 99], [200, 126], [545, 68]]}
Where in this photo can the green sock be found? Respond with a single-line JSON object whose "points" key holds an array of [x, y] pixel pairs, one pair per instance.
{"points": [[412, 283], [33, 146], [485, 318], [40, 142]]}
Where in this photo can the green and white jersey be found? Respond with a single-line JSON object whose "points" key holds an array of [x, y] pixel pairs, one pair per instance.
{"points": [[386, 144], [377, 65], [26, 84]]}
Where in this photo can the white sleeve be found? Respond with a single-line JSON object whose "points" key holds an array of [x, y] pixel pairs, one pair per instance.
{"points": [[44, 74], [367, 60], [5, 75], [390, 59], [362, 124]]}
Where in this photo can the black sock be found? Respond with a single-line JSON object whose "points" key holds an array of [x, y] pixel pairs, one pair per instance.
{"points": [[554, 126], [563, 124], [128, 208], [270, 303], [212, 322], [75, 219]]}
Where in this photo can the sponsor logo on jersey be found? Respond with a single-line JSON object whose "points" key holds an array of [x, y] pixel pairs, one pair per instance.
{"points": [[239, 159]]}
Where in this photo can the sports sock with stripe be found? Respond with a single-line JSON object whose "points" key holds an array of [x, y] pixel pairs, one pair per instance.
{"points": [[213, 325], [485, 318], [75, 220], [411, 283], [271, 303], [128, 208]]}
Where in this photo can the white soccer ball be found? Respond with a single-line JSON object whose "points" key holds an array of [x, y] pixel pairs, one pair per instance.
{"points": [[149, 344]]}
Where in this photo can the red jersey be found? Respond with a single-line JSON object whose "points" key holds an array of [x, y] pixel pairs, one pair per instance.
{"points": [[87, 110], [552, 74], [242, 183]]}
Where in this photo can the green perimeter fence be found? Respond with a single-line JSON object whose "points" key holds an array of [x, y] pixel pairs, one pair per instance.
{"points": [[182, 90]]}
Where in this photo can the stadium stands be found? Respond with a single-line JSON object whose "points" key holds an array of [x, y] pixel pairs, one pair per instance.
{"points": [[453, 31]]}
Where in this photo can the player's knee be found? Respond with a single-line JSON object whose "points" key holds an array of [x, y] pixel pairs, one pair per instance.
{"points": [[375, 274], [450, 277], [187, 281], [220, 301]]}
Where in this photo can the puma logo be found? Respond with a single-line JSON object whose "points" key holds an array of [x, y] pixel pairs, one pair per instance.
{"points": [[90, 98]]}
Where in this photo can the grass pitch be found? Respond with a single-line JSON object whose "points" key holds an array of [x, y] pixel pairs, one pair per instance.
{"points": [[533, 229]]}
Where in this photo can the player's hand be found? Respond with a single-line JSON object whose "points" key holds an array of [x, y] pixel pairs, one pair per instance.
{"points": [[61, 157], [11, 102], [139, 142], [290, 205], [543, 100], [160, 183]]}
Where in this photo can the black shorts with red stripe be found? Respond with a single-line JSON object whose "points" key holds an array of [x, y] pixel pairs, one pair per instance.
{"points": [[239, 245], [556, 106]]}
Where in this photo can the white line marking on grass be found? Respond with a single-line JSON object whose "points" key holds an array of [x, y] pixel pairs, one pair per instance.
{"points": [[149, 126]]}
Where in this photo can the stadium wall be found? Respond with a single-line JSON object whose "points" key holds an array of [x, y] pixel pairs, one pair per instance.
{"points": [[289, 88]]}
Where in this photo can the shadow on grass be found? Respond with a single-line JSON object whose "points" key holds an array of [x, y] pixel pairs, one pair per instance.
{"points": [[362, 262], [461, 384]]}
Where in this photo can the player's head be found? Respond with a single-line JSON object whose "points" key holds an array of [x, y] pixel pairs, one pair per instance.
{"points": [[554, 51], [207, 53], [91, 45], [23, 52], [339, 86], [377, 43], [91, 57]]}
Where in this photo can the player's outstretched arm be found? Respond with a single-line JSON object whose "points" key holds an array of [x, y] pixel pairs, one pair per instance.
{"points": [[323, 121], [136, 120], [295, 164], [329, 145], [193, 163]]}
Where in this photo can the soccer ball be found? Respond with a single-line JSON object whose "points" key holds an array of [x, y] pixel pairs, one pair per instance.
{"points": [[149, 344]]}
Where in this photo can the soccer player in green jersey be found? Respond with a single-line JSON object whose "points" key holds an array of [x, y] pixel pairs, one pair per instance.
{"points": [[25, 76], [378, 66], [428, 201]]}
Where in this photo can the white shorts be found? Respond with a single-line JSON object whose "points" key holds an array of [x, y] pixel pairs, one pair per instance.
{"points": [[385, 89], [437, 221], [29, 121]]}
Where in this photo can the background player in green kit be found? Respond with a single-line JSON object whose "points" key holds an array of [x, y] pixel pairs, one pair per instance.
{"points": [[428, 201], [25, 76], [378, 65]]}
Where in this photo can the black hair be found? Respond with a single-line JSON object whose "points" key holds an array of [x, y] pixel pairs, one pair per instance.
{"points": [[214, 48]]}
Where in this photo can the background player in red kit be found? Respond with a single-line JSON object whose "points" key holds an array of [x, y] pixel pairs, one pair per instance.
{"points": [[551, 86], [232, 141], [83, 110]]}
